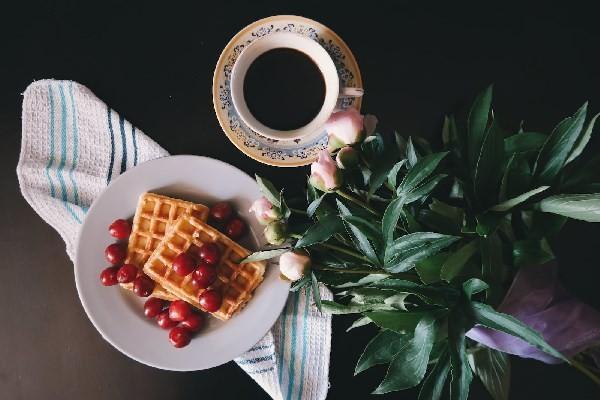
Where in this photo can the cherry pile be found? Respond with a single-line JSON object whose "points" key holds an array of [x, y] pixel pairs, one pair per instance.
{"points": [[115, 254], [178, 316]]}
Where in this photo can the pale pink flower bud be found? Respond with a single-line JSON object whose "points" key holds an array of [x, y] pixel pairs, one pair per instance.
{"points": [[264, 211], [294, 265], [324, 174], [344, 128]]}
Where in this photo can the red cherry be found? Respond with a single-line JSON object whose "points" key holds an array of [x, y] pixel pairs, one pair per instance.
{"points": [[179, 310], [194, 322], [115, 253], [179, 336], [235, 228], [127, 273], [183, 264], [210, 300], [153, 307], [108, 276], [221, 212], [164, 321], [204, 275], [209, 253], [143, 286], [120, 229]]}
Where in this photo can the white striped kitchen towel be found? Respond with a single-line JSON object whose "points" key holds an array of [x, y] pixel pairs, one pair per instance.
{"points": [[73, 145]]}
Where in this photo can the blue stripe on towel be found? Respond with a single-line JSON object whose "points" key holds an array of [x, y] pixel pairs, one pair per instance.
{"points": [[135, 149], [282, 343], [112, 145], [293, 349], [51, 134], [304, 346], [75, 144], [63, 154], [124, 144]]}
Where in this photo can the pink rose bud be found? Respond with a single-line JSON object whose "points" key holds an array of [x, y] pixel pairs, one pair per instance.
{"points": [[264, 211], [324, 174], [344, 128], [294, 265], [346, 158], [276, 233]]}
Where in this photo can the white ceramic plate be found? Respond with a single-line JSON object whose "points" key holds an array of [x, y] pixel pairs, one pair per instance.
{"points": [[118, 313]]}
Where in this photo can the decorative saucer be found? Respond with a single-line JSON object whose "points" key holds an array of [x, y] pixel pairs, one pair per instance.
{"points": [[281, 153]]}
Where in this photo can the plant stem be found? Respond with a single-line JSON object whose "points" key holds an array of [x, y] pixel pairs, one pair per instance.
{"points": [[358, 202], [345, 251], [298, 211], [355, 271], [584, 370]]}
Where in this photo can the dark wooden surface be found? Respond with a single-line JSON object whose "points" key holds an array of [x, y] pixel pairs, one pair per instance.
{"points": [[154, 62]]}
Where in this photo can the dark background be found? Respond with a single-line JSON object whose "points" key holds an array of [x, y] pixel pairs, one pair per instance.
{"points": [[153, 63]]}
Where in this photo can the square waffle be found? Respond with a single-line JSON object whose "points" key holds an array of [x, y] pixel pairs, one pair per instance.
{"points": [[235, 281], [154, 216]]}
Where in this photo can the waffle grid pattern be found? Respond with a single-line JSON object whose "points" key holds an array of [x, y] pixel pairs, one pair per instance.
{"points": [[235, 281]]}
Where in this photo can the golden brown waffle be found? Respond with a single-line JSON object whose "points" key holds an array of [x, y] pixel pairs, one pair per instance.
{"points": [[154, 216], [235, 281]]}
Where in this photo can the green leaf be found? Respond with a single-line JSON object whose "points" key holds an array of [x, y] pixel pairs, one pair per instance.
{"points": [[531, 252], [524, 142], [397, 321], [321, 231], [459, 366], [300, 284], [582, 141], [492, 268], [430, 294], [585, 207], [424, 189], [455, 214], [489, 162], [285, 210], [408, 367], [477, 124], [332, 307], [488, 222], [315, 290], [493, 369], [433, 385], [372, 147], [558, 146], [456, 261], [268, 190], [360, 239], [429, 269], [517, 177], [411, 154], [486, 316], [390, 219], [400, 143], [314, 205], [508, 204], [265, 255], [361, 321], [371, 231], [474, 286], [382, 349], [408, 250], [380, 170], [421, 171], [393, 174], [363, 281]]}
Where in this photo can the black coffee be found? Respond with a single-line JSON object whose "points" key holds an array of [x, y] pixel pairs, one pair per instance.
{"points": [[284, 89]]}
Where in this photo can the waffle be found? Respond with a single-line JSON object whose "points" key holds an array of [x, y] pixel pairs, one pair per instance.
{"points": [[235, 281], [154, 216]]}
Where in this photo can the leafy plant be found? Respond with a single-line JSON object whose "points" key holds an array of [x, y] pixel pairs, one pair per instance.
{"points": [[423, 244]]}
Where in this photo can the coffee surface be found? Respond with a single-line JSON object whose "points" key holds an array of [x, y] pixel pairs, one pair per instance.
{"points": [[284, 89]]}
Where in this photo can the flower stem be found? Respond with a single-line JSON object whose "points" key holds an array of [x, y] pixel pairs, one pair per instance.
{"points": [[584, 370], [355, 271], [358, 202], [298, 211], [345, 251]]}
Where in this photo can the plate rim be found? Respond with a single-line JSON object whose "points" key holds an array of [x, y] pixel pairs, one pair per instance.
{"points": [[85, 304], [227, 49]]}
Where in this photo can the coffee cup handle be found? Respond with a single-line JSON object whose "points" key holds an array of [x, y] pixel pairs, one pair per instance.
{"points": [[350, 92]]}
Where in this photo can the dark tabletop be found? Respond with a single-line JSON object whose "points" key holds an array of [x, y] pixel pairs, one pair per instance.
{"points": [[154, 65]]}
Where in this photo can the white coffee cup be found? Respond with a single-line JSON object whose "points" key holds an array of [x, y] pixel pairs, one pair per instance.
{"points": [[323, 61]]}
